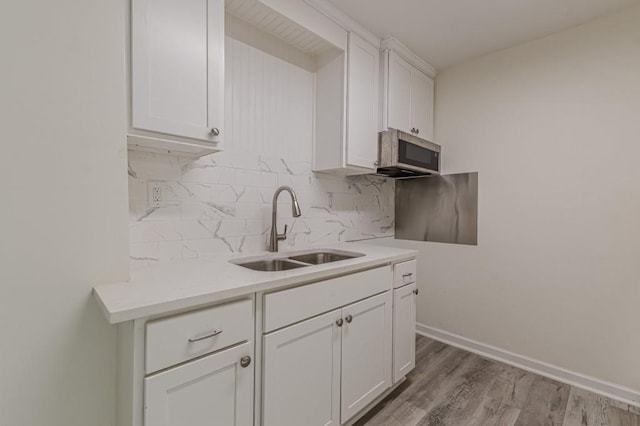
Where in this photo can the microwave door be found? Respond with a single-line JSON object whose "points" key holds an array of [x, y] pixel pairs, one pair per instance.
{"points": [[418, 156]]}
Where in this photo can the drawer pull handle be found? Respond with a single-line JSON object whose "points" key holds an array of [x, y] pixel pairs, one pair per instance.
{"points": [[197, 339], [409, 275]]}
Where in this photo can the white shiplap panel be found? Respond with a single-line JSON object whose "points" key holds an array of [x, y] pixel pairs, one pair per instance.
{"points": [[263, 17], [269, 103]]}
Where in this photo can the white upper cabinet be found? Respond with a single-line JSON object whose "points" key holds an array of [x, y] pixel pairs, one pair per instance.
{"points": [[177, 75], [422, 105], [407, 97], [399, 93], [362, 101], [347, 105]]}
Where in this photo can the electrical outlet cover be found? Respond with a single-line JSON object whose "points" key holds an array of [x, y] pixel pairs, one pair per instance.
{"points": [[155, 195]]}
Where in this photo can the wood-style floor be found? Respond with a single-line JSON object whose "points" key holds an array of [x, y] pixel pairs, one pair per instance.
{"points": [[453, 387]]}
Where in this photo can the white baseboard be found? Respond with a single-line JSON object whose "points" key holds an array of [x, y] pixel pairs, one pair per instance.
{"points": [[592, 384]]}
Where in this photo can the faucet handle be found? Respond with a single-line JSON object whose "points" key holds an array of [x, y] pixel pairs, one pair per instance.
{"points": [[283, 236]]}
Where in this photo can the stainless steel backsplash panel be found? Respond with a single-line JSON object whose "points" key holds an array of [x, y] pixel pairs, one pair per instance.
{"points": [[441, 209]]}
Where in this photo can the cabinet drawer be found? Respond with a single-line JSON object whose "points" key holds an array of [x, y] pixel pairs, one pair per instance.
{"points": [[289, 306], [404, 273], [173, 340]]}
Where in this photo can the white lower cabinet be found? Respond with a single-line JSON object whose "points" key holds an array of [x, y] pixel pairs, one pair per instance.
{"points": [[302, 373], [366, 353], [216, 389], [327, 351], [326, 369], [404, 330]]}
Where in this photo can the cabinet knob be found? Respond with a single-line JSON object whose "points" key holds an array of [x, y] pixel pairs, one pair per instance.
{"points": [[417, 131], [215, 131], [413, 130], [339, 322], [348, 319], [245, 361], [416, 291]]}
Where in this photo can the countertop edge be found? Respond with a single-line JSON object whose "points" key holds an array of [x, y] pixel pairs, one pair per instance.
{"points": [[115, 316]]}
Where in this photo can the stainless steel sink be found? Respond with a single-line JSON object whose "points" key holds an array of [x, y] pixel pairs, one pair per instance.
{"points": [[271, 265], [318, 258], [294, 261]]}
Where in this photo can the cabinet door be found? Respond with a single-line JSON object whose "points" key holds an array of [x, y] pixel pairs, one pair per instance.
{"points": [[302, 374], [422, 104], [404, 331], [366, 353], [211, 390], [177, 65], [399, 94], [362, 118]]}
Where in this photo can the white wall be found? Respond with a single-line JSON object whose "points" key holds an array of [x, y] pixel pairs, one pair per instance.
{"points": [[63, 222], [553, 127]]}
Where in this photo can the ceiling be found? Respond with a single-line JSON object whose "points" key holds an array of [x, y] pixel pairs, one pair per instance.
{"points": [[447, 32]]}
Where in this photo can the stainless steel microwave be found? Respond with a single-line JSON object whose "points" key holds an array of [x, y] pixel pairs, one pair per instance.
{"points": [[402, 155]]}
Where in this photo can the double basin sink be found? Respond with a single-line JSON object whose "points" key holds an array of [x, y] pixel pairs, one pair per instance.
{"points": [[294, 261]]}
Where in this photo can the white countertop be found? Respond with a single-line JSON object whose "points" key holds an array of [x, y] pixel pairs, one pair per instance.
{"points": [[168, 286]]}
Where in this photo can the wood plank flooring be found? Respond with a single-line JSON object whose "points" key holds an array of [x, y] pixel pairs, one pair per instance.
{"points": [[453, 387]]}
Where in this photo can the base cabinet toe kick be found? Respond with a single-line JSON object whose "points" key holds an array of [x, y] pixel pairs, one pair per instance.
{"points": [[321, 353]]}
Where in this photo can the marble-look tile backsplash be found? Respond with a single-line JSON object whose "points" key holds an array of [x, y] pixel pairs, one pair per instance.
{"points": [[222, 204]]}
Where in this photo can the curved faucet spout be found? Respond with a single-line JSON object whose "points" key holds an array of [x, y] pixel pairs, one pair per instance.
{"points": [[295, 211]]}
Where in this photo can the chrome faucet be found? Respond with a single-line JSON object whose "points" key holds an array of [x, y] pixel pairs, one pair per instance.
{"points": [[295, 211]]}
